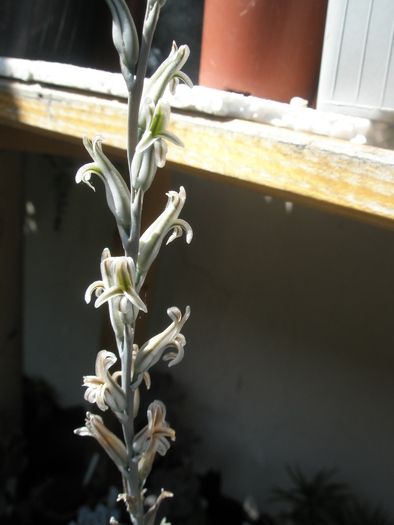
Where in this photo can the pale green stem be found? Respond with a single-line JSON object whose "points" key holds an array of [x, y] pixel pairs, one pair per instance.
{"points": [[134, 103], [131, 247], [131, 481], [135, 92]]}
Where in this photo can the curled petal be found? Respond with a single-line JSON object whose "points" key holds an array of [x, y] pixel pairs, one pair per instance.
{"points": [[97, 286], [84, 173], [179, 226], [174, 82], [176, 357], [95, 392]]}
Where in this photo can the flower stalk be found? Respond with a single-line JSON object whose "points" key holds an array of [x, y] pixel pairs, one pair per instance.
{"points": [[122, 276]]}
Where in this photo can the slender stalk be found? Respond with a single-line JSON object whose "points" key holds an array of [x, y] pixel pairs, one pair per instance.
{"points": [[131, 247], [133, 105], [131, 482], [136, 90], [120, 288]]}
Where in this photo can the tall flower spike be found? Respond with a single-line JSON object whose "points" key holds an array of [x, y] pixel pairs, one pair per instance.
{"points": [[103, 388], [153, 237], [151, 150], [117, 192], [125, 38], [112, 445], [152, 351]]}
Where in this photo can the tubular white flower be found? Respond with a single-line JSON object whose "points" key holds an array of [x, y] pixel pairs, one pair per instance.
{"points": [[112, 445], [153, 237], [150, 516], [117, 192], [103, 388], [118, 275], [118, 289], [167, 74], [125, 38], [152, 351], [157, 118], [153, 437], [151, 150]]}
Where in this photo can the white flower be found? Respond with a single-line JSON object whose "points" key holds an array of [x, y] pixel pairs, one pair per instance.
{"points": [[117, 192], [111, 444], [125, 38], [103, 388], [151, 149], [153, 349], [153, 237], [167, 74], [118, 289], [153, 437], [150, 516]]}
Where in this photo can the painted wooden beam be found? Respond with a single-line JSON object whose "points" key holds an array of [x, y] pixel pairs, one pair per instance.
{"points": [[332, 175]]}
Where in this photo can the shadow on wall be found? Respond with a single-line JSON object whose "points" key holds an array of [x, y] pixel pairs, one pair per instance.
{"points": [[289, 356]]}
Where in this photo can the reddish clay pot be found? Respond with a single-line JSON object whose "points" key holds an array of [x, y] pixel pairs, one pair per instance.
{"points": [[267, 48]]}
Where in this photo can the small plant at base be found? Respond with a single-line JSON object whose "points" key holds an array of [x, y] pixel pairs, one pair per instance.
{"points": [[123, 276]]}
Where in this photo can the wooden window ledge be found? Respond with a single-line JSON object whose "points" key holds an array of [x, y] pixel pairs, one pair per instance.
{"points": [[334, 175]]}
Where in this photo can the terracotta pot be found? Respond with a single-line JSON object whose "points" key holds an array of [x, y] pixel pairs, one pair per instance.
{"points": [[267, 48]]}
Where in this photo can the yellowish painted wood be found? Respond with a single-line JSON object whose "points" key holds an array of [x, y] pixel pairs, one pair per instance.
{"points": [[332, 175]]}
